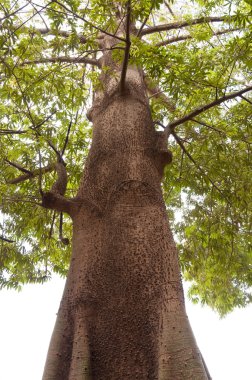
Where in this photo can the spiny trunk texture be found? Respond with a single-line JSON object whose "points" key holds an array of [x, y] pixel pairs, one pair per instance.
{"points": [[122, 315]]}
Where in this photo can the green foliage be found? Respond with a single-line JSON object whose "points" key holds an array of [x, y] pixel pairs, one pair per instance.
{"points": [[209, 203]]}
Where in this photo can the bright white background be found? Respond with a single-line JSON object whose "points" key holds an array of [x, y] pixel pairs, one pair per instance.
{"points": [[27, 320]]}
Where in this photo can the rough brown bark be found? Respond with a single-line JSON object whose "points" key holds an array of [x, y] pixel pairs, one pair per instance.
{"points": [[122, 315]]}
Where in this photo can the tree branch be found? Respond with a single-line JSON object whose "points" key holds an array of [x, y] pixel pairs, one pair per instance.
{"points": [[61, 33], [19, 167], [59, 203], [87, 22], [66, 138], [11, 132], [89, 61], [181, 24], [144, 22], [7, 240], [32, 174], [180, 143], [65, 241], [246, 99], [127, 50], [189, 37], [155, 92], [204, 108]]}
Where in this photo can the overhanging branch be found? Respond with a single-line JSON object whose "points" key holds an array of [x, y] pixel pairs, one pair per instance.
{"points": [[181, 24], [204, 108]]}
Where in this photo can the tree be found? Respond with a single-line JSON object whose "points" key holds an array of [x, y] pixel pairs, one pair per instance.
{"points": [[111, 83]]}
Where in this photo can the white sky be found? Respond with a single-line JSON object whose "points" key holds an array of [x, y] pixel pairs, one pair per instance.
{"points": [[27, 320]]}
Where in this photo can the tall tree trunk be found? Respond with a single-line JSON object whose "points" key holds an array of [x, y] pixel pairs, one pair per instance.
{"points": [[122, 315]]}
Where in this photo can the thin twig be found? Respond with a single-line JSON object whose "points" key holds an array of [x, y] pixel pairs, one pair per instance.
{"points": [[169, 9], [7, 240], [88, 22], [66, 139], [246, 99], [180, 143], [144, 22]]}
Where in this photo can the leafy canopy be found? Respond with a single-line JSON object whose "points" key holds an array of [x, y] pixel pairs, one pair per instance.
{"points": [[49, 71]]}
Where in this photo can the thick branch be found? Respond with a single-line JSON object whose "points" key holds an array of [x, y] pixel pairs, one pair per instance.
{"points": [[181, 24], [204, 108], [127, 50], [74, 60], [59, 203], [189, 37], [32, 174]]}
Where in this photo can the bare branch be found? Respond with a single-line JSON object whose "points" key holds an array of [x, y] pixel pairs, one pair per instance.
{"points": [[7, 240], [66, 139], [127, 50], [11, 132], [75, 60], [246, 99], [34, 173], [13, 13], [206, 107], [181, 24], [189, 37], [169, 9], [17, 166]]}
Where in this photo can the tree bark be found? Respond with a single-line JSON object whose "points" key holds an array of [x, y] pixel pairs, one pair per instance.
{"points": [[122, 315]]}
